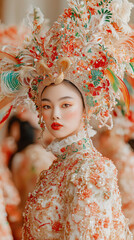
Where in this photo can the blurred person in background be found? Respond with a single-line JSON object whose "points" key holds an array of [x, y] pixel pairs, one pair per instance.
{"points": [[29, 158], [25, 159], [131, 143], [9, 203], [5, 230]]}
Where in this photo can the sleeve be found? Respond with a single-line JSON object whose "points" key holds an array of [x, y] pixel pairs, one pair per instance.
{"points": [[94, 205]]}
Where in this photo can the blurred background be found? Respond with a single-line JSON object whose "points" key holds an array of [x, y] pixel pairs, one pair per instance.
{"points": [[13, 11]]}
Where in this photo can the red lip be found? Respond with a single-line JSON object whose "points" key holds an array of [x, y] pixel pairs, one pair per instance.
{"points": [[56, 126]]}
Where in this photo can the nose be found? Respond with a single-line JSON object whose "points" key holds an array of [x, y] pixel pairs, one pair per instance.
{"points": [[56, 113]]}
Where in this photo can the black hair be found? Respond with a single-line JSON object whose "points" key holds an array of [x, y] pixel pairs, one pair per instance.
{"points": [[131, 143], [27, 135], [68, 82], [11, 121]]}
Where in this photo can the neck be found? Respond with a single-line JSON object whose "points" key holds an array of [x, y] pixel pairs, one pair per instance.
{"points": [[72, 134], [57, 146]]}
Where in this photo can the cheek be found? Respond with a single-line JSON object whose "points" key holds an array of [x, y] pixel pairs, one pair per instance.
{"points": [[73, 114], [45, 116]]}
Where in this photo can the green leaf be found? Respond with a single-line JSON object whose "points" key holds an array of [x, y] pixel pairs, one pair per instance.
{"points": [[77, 34], [90, 101], [90, 50], [85, 89]]}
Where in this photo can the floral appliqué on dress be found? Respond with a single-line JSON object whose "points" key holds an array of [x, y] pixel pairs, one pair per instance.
{"points": [[77, 198]]}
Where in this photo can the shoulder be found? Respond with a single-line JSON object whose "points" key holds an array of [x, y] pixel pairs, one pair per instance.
{"points": [[38, 158], [95, 171], [37, 152]]}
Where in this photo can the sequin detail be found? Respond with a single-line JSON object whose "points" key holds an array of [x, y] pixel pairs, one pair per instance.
{"points": [[77, 198]]}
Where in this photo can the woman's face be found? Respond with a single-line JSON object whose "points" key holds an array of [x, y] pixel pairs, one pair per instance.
{"points": [[62, 110]]}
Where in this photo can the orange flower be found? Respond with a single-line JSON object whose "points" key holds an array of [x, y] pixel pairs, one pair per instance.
{"points": [[116, 225], [100, 165], [106, 223], [115, 26], [94, 208], [86, 193], [92, 10], [94, 178], [96, 236], [68, 226]]}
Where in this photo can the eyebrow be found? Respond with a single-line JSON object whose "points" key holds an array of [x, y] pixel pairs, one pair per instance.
{"points": [[62, 98]]}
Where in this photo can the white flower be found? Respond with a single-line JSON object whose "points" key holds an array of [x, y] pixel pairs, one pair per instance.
{"points": [[35, 13], [121, 10]]}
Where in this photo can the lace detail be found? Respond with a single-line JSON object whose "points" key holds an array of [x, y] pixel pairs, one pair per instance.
{"points": [[57, 146]]}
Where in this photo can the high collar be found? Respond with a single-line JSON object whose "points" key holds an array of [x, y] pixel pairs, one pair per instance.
{"points": [[71, 144]]}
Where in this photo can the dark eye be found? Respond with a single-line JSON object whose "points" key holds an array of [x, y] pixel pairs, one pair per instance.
{"points": [[66, 105], [46, 107]]}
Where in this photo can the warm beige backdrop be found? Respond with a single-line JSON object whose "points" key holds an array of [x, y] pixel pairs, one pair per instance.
{"points": [[13, 11]]}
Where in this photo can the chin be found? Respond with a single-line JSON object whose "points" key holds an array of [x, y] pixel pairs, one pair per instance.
{"points": [[60, 134]]}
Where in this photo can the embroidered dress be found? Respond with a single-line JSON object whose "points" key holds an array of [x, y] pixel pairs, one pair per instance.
{"points": [[113, 146], [29, 163], [77, 198]]}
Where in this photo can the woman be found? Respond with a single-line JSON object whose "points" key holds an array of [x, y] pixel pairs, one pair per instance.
{"points": [[78, 197]]}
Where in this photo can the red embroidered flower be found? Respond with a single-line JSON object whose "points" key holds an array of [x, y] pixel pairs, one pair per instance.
{"points": [[57, 226], [63, 150]]}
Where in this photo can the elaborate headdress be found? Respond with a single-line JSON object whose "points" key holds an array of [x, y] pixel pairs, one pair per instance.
{"points": [[10, 37], [91, 45], [124, 122]]}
